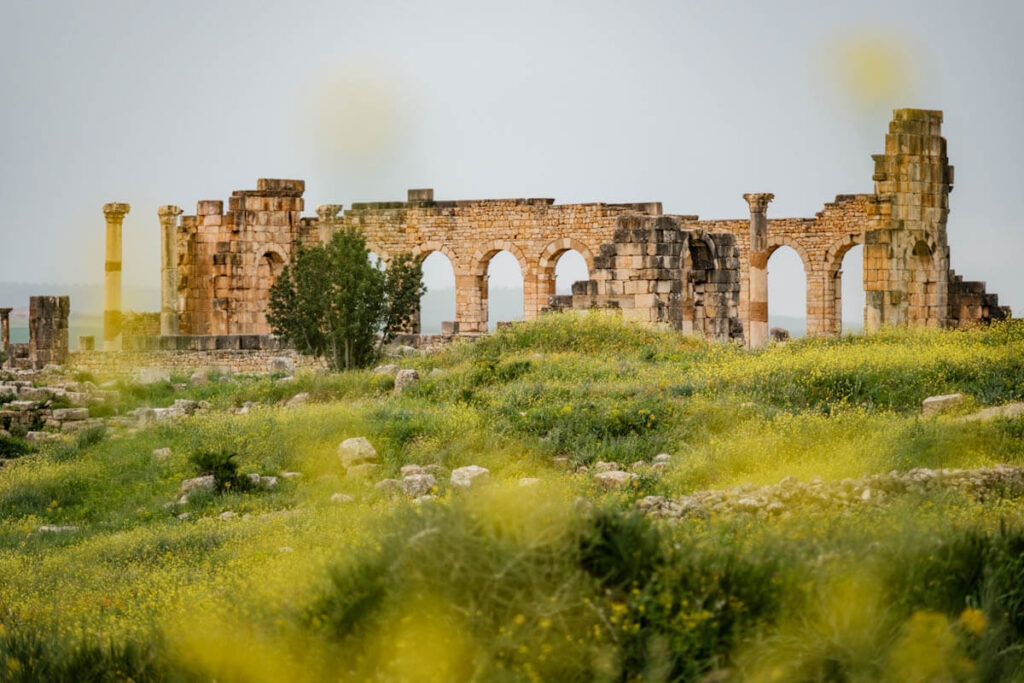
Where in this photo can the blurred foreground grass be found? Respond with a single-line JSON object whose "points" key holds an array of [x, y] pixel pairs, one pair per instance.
{"points": [[559, 581]]}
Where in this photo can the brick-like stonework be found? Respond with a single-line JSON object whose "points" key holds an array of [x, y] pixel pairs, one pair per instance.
{"points": [[243, 362], [653, 267]]}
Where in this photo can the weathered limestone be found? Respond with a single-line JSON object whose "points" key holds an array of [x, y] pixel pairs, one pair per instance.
{"points": [[5, 329], [114, 214], [48, 329], [757, 328], [702, 276], [168, 269]]}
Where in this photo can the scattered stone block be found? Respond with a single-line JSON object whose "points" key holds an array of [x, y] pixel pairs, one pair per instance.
{"points": [[206, 482], [613, 479], [405, 379], [342, 498], [298, 400], [470, 476], [933, 405], [415, 485], [356, 450]]}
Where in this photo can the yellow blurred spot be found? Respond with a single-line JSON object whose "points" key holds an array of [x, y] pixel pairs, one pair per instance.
{"points": [[973, 621], [874, 70]]}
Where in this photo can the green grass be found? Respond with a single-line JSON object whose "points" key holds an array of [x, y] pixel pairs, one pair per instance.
{"points": [[559, 581]]}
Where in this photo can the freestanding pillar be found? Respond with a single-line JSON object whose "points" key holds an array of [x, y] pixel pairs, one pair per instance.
{"points": [[168, 269], [757, 276], [114, 214], [5, 329]]}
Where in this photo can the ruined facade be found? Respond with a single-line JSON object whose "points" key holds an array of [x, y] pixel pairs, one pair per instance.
{"points": [[706, 277]]}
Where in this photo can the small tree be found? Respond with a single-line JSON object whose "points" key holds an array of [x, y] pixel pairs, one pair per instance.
{"points": [[332, 302]]}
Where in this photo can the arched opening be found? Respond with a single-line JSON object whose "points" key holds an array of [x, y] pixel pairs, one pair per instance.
{"points": [[570, 267], [438, 304], [922, 290], [698, 263], [268, 270], [503, 289], [787, 291], [850, 285]]}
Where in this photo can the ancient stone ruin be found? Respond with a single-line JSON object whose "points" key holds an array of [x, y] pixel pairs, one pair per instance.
{"points": [[707, 277], [47, 330]]}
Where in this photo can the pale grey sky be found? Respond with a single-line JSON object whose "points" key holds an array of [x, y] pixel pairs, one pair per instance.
{"points": [[690, 103]]}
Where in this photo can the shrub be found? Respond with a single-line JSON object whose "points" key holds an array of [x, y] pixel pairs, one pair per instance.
{"points": [[222, 465], [13, 447], [91, 436]]}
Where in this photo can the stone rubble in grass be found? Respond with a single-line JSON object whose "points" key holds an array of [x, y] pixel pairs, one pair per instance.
{"points": [[416, 485], [356, 450], [790, 494], [162, 453], [342, 498], [613, 479], [405, 379], [470, 476], [933, 405]]}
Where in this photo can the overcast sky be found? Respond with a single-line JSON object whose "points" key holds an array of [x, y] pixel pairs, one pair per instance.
{"points": [[687, 103]]}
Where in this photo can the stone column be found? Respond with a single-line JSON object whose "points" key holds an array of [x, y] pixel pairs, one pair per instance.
{"points": [[5, 329], [114, 213], [168, 269], [757, 301], [328, 218]]}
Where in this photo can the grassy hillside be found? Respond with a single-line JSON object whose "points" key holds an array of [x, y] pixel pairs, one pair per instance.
{"points": [[561, 580]]}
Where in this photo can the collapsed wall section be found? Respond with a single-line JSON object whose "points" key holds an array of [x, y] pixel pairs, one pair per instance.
{"points": [[654, 271]]}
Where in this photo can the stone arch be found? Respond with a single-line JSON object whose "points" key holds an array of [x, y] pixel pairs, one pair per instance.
{"points": [[833, 296], [812, 312], [439, 310], [381, 253], [477, 298], [422, 251], [548, 260], [699, 259], [269, 265]]}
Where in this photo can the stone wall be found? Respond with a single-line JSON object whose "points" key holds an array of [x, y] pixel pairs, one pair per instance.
{"points": [[227, 261], [185, 362]]}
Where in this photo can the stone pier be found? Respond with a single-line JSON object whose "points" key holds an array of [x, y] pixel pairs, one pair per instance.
{"points": [[48, 329], [169, 269], [5, 329], [114, 214], [757, 331]]}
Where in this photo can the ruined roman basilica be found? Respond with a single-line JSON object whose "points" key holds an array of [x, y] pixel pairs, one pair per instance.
{"points": [[704, 277]]}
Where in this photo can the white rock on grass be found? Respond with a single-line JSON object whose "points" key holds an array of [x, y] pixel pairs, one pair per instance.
{"points": [[161, 453], [662, 457], [416, 485], [602, 466], [263, 482], [356, 450], [297, 400], [203, 483], [614, 479], [470, 476], [342, 498], [291, 475], [227, 514], [405, 379], [54, 529], [529, 481], [933, 405]]}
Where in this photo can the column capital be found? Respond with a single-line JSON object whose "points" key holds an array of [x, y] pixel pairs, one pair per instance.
{"points": [[168, 211], [758, 201], [328, 212], [116, 210]]}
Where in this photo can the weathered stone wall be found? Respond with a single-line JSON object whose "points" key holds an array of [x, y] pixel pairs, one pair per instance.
{"points": [[656, 272], [48, 329], [227, 261], [185, 362]]}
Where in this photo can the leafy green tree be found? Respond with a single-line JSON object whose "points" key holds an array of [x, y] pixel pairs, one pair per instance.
{"points": [[333, 303]]}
